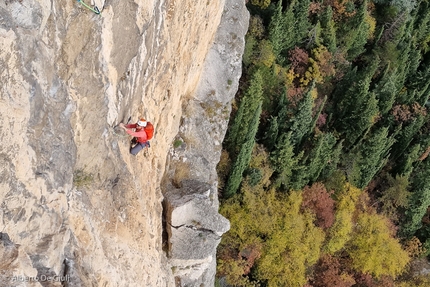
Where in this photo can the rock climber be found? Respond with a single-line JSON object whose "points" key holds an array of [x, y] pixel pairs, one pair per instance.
{"points": [[142, 132]]}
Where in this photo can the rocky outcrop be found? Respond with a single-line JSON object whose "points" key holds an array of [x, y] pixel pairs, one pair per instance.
{"points": [[73, 201], [193, 225]]}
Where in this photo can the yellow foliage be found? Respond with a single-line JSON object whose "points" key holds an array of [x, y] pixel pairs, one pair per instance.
{"points": [[374, 250], [291, 243], [340, 232], [320, 66], [266, 56], [260, 160], [371, 21], [289, 77], [312, 73]]}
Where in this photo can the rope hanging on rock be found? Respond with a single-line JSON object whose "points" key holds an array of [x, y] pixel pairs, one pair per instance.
{"points": [[95, 9]]}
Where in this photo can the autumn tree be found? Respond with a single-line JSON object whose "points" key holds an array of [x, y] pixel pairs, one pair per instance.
{"points": [[290, 242], [317, 199], [374, 250], [340, 232], [328, 272]]}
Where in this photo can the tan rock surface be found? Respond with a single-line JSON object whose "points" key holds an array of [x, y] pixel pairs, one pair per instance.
{"points": [[72, 199]]}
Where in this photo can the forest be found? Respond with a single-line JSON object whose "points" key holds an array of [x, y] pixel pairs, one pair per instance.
{"points": [[325, 168]]}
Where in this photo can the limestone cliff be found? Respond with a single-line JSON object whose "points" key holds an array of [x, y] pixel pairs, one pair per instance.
{"points": [[74, 203]]}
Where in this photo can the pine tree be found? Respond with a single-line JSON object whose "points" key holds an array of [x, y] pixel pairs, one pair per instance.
{"points": [[328, 33], [361, 32], [243, 157], [245, 114], [352, 36], [280, 30], [300, 123], [420, 84], [357, 109], [271, 135], [301, 20], [419, 199], [320, 155], [332, 164], [284, 160], [406, 135], [385, 90], [372, 156], [405, 164]]}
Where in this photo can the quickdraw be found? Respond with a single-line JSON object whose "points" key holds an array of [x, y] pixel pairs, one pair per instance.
{"points": [[95, 9]]}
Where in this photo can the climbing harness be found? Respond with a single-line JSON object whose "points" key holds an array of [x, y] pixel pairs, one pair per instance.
{"points": [[95, 9]]}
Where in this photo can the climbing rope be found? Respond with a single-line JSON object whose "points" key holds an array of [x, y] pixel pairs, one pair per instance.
{"points": [[95, 9]]}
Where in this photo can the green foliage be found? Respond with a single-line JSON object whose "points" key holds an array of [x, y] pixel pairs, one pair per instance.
{"points": [[301, 19], [177, 143], [300, 124], [419, 199], [246, 113], [385, 90], [364, 117], [372, 156], [357, 109], [250, 50], [266, 56], [399, 4], [82, 178], [320, 156], [328, 33], [374, 250], [353, 35], [284, 160], [395, 196], [280, 31], [263, 4], [244, 156]]}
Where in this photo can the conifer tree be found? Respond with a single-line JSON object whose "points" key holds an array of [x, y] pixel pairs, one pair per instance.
{"points": [[284, 160], [406, 135], [361, 33], [243, 157], [301, 20], [357, 109], [385, 90], [300, 123], [320, 155], [352, 36], [419, 199], [405, 163], [280, 30], [245, 114], [332, 164], [373, 155], [271, 135], [328, 33]]}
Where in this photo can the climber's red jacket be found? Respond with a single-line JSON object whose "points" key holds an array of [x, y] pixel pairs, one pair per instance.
{"points": [[140, 135]]}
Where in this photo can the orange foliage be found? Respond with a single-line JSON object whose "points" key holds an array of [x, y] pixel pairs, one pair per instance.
{"points": [[317, 199]]}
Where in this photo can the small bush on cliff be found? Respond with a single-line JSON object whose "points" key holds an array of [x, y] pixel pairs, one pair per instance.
{"points": [[81, 178]]}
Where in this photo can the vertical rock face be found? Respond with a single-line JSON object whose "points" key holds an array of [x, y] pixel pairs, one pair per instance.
{"points": [[74, 205], [193, 225]]}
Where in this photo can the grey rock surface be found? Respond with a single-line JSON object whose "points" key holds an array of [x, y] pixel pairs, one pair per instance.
{"points": [[194, 227]]}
